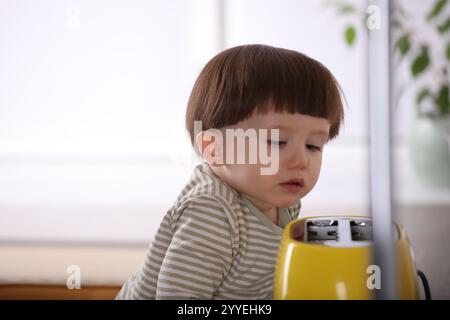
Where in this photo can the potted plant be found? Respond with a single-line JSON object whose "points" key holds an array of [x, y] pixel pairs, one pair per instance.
{"points": [[421, 44]]}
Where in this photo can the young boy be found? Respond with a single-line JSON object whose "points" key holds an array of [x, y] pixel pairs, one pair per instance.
{"points": [[221, 237]]}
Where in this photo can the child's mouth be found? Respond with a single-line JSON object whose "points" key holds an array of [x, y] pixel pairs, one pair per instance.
{"points": [[294, 185]]}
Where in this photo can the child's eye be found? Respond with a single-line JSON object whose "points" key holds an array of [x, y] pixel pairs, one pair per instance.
{"points": [[313, 147], [278, 143]]}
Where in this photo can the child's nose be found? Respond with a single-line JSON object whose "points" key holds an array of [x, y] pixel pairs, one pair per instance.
{"points": [[299, 158]]}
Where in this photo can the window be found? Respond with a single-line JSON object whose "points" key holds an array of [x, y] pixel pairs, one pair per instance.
{"points": [[92, 140]]}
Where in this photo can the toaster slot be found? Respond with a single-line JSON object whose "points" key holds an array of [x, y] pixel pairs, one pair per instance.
{"points": [[322, 230], [361, 230]]}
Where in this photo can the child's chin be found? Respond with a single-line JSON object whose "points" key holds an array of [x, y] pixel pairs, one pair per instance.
{"points": [[287, 203]]}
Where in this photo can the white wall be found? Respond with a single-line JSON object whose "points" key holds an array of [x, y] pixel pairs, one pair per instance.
{"points": [[93, 100], [92, 141]]}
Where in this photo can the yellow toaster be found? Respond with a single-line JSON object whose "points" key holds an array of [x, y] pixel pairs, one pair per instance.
{"points": [[332, 258]]}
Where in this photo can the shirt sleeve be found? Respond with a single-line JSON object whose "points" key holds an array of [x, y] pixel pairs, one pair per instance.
{"points": [[200, 253]]}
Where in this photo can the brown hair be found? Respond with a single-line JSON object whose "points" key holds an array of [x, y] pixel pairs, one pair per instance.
{"points": [[241, 79]]}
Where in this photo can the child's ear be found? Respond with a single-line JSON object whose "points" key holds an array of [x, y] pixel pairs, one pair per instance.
{"points": [[201, 143], [209, 144]]}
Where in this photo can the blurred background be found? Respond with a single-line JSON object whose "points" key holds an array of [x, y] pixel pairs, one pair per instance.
{"points": [[93, 150]]}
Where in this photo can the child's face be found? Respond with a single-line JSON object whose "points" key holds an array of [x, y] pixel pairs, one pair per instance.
{"points": [[302, 140]]}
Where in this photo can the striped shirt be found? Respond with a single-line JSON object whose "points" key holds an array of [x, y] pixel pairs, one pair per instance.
{"points": [[213, 243]]}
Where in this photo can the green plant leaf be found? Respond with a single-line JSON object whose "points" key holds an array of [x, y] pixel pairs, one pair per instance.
{"points": [[350, 35], [443, 99], [421, 62], [342, 7], [437, 8], [403, 44], [396, 23], [423, 93], [445, 26], [448, 51], [346, 8]]}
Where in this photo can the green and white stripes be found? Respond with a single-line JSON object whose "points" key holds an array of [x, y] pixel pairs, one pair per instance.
{"points": [[212, 244]]}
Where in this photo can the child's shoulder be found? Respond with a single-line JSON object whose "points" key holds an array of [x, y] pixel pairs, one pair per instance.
{"points": [[204, 183], [205, 189]]}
